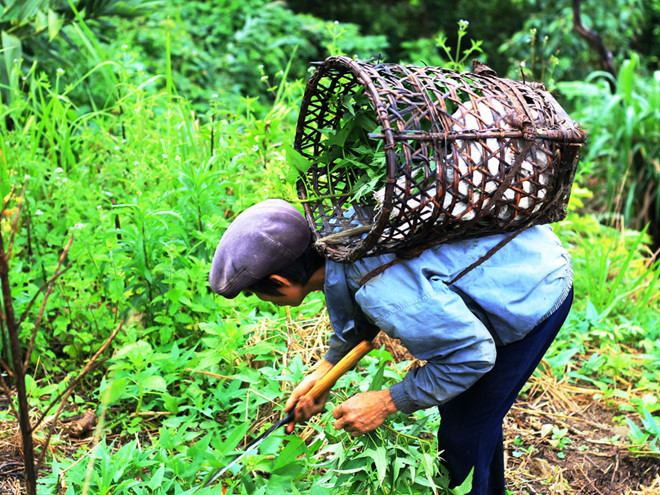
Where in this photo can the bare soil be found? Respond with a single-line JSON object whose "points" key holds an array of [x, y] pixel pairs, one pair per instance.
{"points": [[560, 440]]}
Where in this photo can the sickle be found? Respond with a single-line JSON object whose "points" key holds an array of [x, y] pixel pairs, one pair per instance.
{"points": [[325, 383]]}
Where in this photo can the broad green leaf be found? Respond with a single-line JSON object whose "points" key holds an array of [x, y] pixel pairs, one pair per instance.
{"points": [[650, 422], [157, 478], [40, 22], [296, 160], [208, 359], [55, 23], [377, 382], [636, 434], [23, 10], [199, 449], [234, 438], [380, 459], [294, 448], [563, 358], [464, 487], [399, 462], [11, 50], [30, 384], [115, 390], [154, 383], [136, 352], [592, 313]]}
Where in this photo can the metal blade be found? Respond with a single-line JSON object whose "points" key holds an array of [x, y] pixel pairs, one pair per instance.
{"points": [[249, 448]]}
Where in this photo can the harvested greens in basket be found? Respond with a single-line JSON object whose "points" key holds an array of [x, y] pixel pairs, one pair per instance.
{"points": [[348, 150]]}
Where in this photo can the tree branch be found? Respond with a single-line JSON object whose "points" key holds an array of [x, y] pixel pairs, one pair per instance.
{"points": [[594, 39], [43, 303], [88, 367], [19, 376], [6, 367], [34, 298]]}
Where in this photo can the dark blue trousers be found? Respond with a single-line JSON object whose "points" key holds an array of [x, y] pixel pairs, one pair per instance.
{"points": [[470, 433]]}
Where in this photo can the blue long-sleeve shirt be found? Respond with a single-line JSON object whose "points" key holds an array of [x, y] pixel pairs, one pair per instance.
{"points": [[454, 328]]}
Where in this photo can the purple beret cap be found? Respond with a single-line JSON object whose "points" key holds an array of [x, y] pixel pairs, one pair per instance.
{"points": [[261, 240]]}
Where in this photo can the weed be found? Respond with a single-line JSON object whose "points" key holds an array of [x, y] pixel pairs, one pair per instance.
{"points": [[559, 440], [624, 137], [457, 60]]}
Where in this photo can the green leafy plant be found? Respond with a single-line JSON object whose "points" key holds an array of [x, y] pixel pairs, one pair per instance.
{"points": [[622, 280], [547, 42], [29, 28], [349, 149], [624, 135], [457, 60], [398, 457], [559, 440]]}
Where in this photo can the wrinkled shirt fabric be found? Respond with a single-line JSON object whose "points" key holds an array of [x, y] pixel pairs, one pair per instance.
{"points": [[455, 328]]}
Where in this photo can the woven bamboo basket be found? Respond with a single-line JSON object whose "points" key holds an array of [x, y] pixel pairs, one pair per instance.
{"points": [[465, 155]]}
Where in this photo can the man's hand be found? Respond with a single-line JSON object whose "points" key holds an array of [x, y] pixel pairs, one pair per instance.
{"points": [[364, 412], [305, 406]]}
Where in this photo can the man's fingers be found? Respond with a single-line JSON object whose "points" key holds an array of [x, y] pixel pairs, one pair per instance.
{"points": [[293, 399], [350, 428], [299, 392], [338, 414]]}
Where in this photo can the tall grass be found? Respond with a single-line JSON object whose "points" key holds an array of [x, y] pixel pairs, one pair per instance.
{"points": [[624, 139]]}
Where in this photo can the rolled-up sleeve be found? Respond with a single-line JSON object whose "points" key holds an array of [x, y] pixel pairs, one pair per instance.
{"points": [[436, 326]]}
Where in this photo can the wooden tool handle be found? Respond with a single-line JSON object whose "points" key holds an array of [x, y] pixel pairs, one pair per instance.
{"points": [[327, 381]]}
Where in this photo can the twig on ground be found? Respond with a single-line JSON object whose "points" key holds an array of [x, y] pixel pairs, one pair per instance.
{"points": [[5, 366], [62, 397], [616, 468], [212, 375]]}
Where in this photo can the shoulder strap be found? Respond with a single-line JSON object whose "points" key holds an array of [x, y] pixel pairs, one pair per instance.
{"points": [[377, 271]]}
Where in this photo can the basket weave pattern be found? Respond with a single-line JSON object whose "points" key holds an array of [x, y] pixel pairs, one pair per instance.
{"points": [[466, 155]]}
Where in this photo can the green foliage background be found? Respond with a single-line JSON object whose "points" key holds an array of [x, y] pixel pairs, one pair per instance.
{"points": [[142, 128]]}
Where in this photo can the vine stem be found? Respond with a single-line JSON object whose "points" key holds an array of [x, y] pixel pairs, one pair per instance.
{"points": [[404, 435]]}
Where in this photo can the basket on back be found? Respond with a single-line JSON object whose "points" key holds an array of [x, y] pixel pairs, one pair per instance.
{"points": [[451, 156]]}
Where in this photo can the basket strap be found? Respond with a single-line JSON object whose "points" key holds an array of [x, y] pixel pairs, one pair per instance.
{"points": [[377, 271], [486, 256]]}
